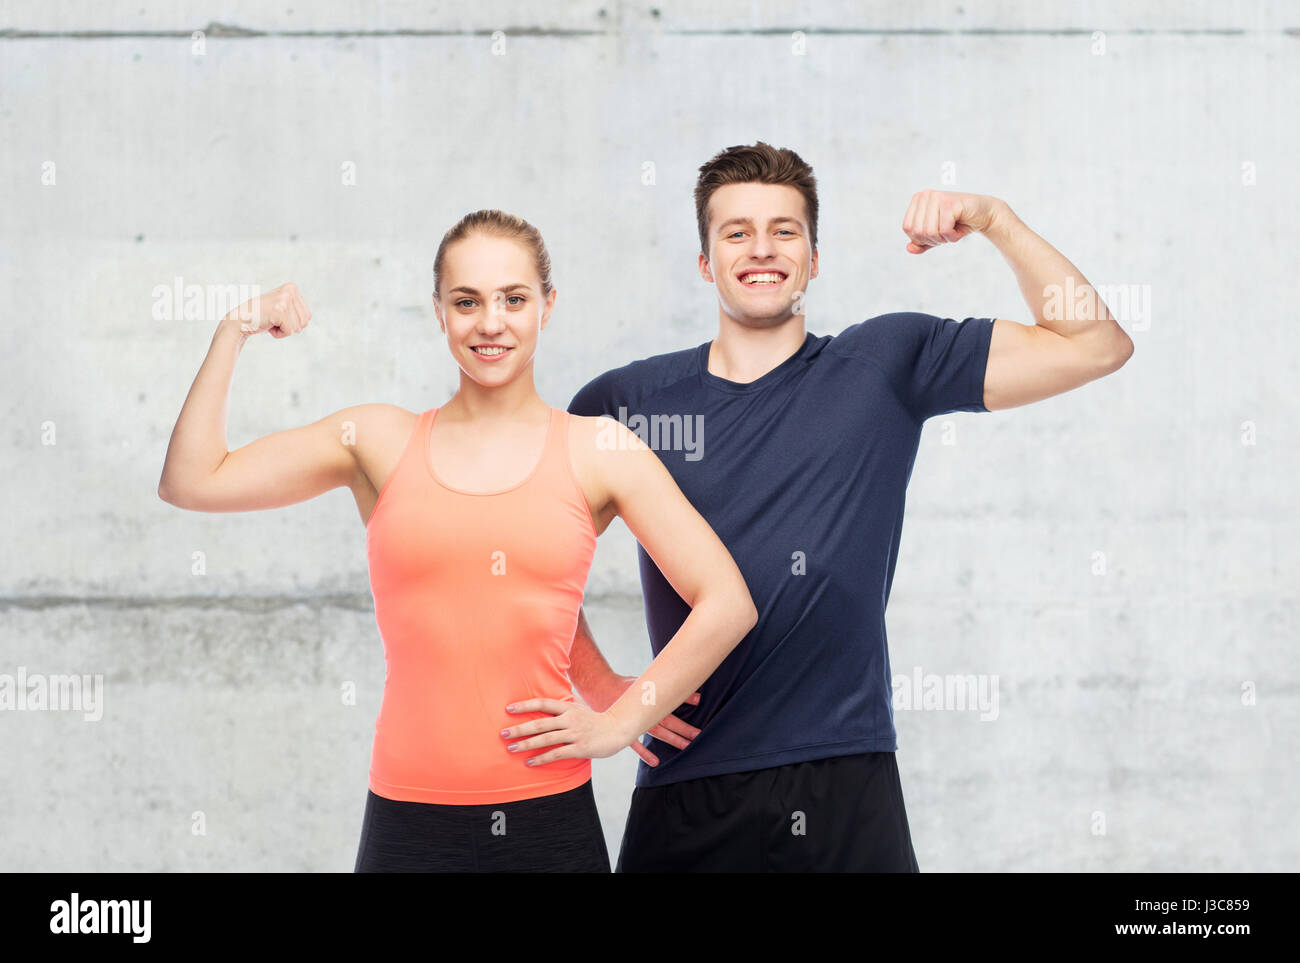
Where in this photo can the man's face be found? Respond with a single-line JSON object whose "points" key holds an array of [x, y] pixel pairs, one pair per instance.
{"points": [[760, 253]]}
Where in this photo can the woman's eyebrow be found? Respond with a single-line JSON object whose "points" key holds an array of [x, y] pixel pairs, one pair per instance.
{"points": [[505, 290]]}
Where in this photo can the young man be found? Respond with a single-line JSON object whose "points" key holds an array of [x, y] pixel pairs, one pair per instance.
{"points": [[797, 449]]}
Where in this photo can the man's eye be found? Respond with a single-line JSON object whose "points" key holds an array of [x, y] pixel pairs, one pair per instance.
{"points": [[736, 234], [785, 231]]}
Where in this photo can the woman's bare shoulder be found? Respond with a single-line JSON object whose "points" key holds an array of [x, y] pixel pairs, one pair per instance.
{"points": [[600, 433], [371, 431], [377, 416], [604, 448]]}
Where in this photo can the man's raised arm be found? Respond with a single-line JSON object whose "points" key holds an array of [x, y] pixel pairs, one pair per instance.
{"points": [[1073, 340]]}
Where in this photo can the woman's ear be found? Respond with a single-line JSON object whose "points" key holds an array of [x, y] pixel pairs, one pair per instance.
{"points": [[437, 313], [546, 311]]}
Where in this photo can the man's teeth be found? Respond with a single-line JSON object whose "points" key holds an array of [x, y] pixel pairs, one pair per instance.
{"points": [[763, 278], [491, 350]]}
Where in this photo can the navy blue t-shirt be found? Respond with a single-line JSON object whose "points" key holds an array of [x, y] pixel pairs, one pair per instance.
{"points": [[802, 474]]}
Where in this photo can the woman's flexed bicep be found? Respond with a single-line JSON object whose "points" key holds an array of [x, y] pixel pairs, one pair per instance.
{"points": [[282, 468]]}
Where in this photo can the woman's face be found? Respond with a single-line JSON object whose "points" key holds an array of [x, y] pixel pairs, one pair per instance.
{"points": [[491, 307]]}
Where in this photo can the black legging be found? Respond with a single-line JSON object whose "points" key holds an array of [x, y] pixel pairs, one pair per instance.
{"points": [[559, 833]]}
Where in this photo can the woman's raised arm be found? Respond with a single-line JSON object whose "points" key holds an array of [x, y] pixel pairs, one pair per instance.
{"points": [[283, 468]]}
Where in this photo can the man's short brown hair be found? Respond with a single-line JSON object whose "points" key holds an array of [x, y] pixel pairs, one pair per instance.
{"points": [[763, 164]]}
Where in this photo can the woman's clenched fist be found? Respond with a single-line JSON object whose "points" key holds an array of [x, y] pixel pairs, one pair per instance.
{"points": [[282, 312]]}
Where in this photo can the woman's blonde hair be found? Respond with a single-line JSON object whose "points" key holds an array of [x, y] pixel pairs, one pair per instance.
{"points": [[497, 224]]}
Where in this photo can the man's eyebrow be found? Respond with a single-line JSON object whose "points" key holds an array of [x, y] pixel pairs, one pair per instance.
{"points": [[734, 220], [747, 222]]}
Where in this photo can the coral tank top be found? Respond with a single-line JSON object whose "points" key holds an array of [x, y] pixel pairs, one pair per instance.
{"points": [[476, 598]]}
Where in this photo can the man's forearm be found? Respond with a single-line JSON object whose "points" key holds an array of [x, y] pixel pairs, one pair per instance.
{"points": [[588, 669], [1047, 278]]}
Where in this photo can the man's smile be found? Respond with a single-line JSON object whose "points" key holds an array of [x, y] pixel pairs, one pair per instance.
{"points": [[764, 277]]}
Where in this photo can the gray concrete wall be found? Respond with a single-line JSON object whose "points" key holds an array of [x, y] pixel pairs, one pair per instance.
{"points": [[1123, 558]]}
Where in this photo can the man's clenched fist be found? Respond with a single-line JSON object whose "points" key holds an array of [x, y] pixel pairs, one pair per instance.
{"points": [[941, 217]]}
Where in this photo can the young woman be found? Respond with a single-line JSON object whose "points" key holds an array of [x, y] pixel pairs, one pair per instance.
{"points": [[481, 520]]}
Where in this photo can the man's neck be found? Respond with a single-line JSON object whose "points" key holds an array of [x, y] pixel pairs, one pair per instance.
{"points": [[742, 353]]}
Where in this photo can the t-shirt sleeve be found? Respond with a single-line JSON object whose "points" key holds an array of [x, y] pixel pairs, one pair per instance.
{"points": [[936, 364], [593, 398]]}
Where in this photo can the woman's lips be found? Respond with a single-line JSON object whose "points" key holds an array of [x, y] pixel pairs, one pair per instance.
{"points": [[495, 356]]}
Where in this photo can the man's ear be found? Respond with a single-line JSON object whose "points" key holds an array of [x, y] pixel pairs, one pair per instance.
{"points": [[813, 273], [705, 271]]}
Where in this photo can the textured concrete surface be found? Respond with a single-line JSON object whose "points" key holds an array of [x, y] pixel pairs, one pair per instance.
{"points": [[1123, 559]]}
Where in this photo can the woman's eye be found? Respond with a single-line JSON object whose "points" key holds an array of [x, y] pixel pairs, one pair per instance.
{"points": [[515, 298], [464, 303]]}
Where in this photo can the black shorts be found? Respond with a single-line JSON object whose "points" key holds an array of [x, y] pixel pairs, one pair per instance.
{"points": [[842, 814], [559, 833]]}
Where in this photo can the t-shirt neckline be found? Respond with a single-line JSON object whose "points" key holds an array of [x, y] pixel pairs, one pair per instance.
{"points": [[739, 388]]}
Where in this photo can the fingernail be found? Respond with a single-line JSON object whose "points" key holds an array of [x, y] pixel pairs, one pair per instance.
{"points": [[514, 747], [510, 708], [528, 762], [505, 732]]}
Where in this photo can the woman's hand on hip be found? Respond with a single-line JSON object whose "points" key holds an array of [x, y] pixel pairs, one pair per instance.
{"points": [[574, 730]]}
